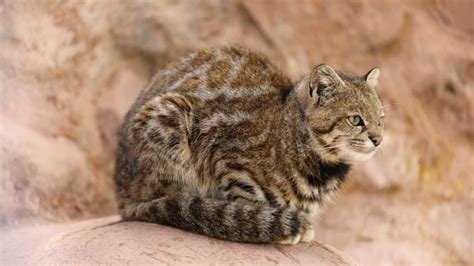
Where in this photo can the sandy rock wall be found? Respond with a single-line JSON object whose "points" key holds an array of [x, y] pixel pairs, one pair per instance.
{"points": [[69, 70]]}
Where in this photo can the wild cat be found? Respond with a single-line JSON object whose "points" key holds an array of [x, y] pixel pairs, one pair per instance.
{"points": [[222, 143]]}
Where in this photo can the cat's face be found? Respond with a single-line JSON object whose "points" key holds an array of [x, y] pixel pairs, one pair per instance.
{"points": [[345, 115]]}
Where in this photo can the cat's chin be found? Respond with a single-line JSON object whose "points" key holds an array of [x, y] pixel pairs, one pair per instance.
{"points": [[352, 156]]}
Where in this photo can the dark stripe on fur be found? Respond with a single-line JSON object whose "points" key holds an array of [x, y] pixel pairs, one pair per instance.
{"points": [[270, 198], [235, 183], [168, 121], [300, 196], [276, 228], [295, 223], [326, 172]]}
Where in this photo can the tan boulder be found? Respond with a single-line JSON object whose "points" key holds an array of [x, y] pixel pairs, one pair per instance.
{"points": [[104, 241]]}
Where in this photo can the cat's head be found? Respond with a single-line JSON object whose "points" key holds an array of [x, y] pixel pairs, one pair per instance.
{"points": [[344, 113]]}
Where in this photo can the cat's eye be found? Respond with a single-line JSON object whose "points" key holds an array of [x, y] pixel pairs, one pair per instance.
{"points": [[356, 120]]}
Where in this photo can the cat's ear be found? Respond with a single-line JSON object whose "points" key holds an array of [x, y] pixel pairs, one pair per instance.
{"points": [[372, 77], [324, 80]]}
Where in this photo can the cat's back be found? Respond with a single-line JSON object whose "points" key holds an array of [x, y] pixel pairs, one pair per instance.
{"points": [[224, 79]]}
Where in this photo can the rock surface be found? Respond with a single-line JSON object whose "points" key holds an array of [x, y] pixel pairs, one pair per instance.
{"points": [[104, 241], [69, 70]]}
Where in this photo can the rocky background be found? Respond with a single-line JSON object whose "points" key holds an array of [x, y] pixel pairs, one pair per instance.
{"points": [[69, 70]]}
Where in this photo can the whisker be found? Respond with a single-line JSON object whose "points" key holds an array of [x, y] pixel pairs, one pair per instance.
{"points": [[326, 148], [392, 103], [379, 152]]}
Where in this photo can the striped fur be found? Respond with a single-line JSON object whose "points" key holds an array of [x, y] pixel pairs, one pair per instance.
{"points": [[224, 144]]}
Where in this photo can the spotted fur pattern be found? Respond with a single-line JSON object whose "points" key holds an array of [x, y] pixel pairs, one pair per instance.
{"points": [[222, 143]]}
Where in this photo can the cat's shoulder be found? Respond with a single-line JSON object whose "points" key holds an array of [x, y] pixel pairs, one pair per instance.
{"points": [[255, 69]]}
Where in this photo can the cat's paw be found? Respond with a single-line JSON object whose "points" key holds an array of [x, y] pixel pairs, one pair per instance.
{"points": [[306, 236], [290, 240]]}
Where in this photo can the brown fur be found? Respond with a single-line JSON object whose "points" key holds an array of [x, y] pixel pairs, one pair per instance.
{"points": [[225, 145]]}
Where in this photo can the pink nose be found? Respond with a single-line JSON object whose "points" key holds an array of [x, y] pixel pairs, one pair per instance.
{"points": [[376, 139]]}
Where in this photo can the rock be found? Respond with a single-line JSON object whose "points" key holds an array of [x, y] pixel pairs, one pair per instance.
{"points": [[104, 241], [32, 169], [413, 230]]}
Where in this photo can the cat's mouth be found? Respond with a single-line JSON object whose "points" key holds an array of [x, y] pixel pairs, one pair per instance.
{"points": [[361, 151], [351, 155]]}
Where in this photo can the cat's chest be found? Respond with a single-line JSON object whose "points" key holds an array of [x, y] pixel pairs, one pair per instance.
{"points": [[322, 185]]}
